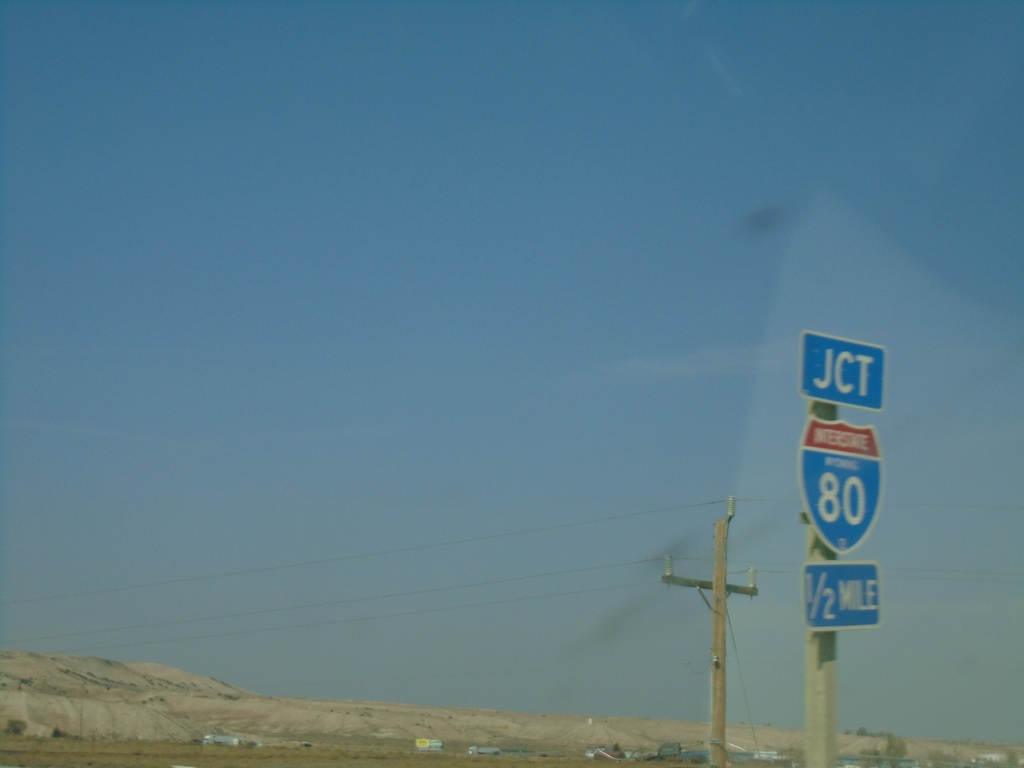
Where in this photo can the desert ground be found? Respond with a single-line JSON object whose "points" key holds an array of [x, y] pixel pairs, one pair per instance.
{"points": [[84, 711]]}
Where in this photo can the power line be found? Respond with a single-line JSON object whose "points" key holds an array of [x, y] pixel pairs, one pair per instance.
{"points": [[355, 619], [358, 556], [973, 576], [743, 684], [328, 604], [902, 504], [456, 542], [935, 574], [779, 568]]}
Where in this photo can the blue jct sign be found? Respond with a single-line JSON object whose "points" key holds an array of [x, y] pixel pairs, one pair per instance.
{"points": [[840, 469], [841, 371], [841, 595]]}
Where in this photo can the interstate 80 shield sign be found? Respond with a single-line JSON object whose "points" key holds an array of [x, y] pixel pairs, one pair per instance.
{"points": [[840, 472]]}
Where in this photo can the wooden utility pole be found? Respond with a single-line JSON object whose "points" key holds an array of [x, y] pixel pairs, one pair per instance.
{"points": [[720, 590], [719, 618]]}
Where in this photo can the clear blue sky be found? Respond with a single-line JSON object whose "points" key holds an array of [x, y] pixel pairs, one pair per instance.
{"points": [[380, 350]]}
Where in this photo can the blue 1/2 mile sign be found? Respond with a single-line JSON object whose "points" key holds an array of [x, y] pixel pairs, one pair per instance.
{"points": [[841, 371], [840, 469], [841, 595]]}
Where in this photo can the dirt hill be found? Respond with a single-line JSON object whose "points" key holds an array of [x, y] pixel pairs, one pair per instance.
{"points": [[97, 698], [100, 698]]}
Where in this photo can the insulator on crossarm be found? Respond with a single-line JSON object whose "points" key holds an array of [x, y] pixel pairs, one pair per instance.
{"points": [[668, 565]]}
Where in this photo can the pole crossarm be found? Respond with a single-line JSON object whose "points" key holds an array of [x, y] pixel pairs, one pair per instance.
{"points": [[681, 581]]}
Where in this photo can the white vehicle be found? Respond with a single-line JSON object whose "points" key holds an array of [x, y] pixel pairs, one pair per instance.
{"points": [[217, 738], [484, 750]]}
